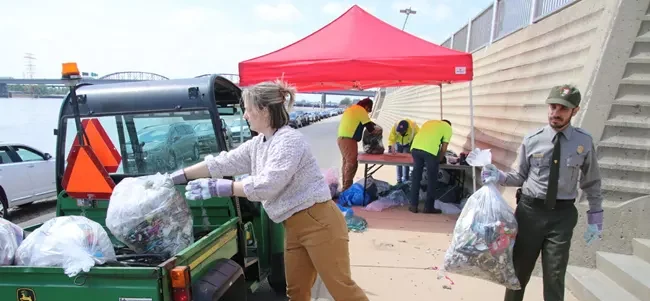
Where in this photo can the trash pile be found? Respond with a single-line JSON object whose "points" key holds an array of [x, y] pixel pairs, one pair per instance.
{"points": [[149, 215], [74, 243], [484, 235], [11, 236]]}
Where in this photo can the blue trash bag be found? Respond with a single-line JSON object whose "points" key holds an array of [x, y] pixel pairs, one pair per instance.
{"points": [[354, 196], [347, 212], [354, 223]]}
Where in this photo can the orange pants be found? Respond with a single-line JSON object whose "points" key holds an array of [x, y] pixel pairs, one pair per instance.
{"points": [[316, 241], [349, 151]]}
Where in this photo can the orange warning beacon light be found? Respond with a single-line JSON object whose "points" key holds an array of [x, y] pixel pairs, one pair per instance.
{"points": [[70, 71]]}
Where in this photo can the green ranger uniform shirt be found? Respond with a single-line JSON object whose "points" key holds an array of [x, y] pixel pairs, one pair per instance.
{"points": [[577, 155], [352, 121], [431, 135]]}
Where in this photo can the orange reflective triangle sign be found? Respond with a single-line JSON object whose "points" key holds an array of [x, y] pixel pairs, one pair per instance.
{"points": [[85, 177], [102, 145]]}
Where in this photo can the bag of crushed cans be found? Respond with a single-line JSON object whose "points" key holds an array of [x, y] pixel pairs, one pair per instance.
{"points": [[150, 216], [484, 237], [11, 236], [74, 243]]}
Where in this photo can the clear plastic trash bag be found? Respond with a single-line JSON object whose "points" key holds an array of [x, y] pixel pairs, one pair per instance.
{"points": [[11, 236], [372, 143], [484, 235], [332, 179], [393, 199], [150, 216], [74, 243]]}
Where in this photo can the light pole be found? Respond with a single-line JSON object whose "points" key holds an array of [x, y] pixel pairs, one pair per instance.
{"points": [[408, 12]]}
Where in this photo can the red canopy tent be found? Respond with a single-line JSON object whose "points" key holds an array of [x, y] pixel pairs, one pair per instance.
{"points": [[360, 51]]}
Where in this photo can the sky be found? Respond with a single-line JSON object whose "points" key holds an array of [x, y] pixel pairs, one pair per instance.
{"points": [[186, 38]]}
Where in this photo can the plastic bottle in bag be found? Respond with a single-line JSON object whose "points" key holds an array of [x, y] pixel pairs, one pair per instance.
{"points": [[484, 234], [11, 236], [150, 216], [74, 243]]}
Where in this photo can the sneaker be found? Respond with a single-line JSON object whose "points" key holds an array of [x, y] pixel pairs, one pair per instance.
{"points": [[413, 209]]}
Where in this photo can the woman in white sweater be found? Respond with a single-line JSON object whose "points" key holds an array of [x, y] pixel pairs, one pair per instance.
{"points": [[286, 179]]}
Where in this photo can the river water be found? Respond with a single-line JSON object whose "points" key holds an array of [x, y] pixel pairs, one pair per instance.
{"points": [[30, 121]]}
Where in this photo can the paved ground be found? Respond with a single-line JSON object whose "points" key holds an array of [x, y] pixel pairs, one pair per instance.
{"points": [[397, 258], [35, 213]]}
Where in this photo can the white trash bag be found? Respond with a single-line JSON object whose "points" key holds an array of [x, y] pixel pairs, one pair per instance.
{"points": [[150, 216], [484, 234], [11, 236], [74, 243]]}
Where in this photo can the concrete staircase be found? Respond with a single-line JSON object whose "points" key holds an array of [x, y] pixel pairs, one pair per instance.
{"points": [[616, 278], [624, 148], [624, 160]]}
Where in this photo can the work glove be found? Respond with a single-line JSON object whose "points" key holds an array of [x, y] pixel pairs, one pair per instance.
{"points": [[594, 226], [179, 177], [490, 174], [203, 189]]}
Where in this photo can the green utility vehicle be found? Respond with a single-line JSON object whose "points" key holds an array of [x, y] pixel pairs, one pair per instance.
{"points": [[151, 125]]}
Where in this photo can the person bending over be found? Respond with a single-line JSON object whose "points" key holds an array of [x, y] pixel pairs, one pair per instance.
{"points": [[353, 120], [428, 149], [286, 179]]}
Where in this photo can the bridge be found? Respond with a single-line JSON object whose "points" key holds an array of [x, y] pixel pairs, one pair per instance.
{"points": [[132, 76]]}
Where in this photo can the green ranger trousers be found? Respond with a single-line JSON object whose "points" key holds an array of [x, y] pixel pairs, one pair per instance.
{"points": [[545, 231]]}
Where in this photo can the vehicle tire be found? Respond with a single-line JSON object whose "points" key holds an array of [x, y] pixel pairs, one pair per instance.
{"points": [[276, 278], [196, 153], [4, 205]]}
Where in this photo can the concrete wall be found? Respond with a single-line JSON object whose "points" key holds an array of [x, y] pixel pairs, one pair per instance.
{"points": [[511, 81], [512, 78]]}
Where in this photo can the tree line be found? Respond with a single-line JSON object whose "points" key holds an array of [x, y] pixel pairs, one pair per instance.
{"points": [[38, 89]]}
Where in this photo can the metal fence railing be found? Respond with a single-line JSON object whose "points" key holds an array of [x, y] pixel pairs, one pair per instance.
{"points": [[500, 19]]}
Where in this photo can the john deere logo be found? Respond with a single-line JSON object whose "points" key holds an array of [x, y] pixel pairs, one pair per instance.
{"points": [[25, 294]]}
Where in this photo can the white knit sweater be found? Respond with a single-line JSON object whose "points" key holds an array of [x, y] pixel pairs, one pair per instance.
{"points": [[284, 175]]}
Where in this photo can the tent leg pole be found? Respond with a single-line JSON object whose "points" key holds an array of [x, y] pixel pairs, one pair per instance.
{"points": [[471, 122], [440, 86]]}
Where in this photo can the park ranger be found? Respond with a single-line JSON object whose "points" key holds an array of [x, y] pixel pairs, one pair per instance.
{"points": [[551, 160]]}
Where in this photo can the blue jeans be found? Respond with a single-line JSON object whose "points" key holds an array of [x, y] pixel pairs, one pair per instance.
{"points": [[403, 171]]}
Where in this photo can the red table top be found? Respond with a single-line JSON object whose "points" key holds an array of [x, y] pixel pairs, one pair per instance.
{"points": [[400, 159], [397, 158]]}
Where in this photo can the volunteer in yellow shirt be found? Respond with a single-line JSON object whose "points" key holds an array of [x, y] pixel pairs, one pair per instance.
{"points": [[353, 120], [428, 148], [399, 140]]}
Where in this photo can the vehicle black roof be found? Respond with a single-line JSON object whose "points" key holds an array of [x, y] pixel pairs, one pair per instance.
{"points": [[151, 96]]}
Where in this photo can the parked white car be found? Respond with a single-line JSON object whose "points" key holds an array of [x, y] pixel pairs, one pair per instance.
{"points": [[26, 175]]}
